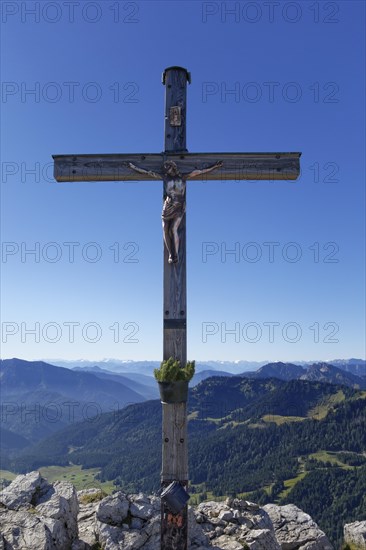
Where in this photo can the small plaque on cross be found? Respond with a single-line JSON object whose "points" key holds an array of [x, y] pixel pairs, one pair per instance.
{"points": [[175, 116]]}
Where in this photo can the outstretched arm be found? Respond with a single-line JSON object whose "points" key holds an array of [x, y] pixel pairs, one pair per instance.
{"points": [[142, 171], [195, 173]]}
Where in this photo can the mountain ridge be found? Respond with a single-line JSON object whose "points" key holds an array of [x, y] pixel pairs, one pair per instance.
{"points": [[353, 365], [39, 398], [248, 436], [93, 390]]}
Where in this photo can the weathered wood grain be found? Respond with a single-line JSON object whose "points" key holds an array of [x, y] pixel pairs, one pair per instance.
{"points": [[175, 465], [175, 345], [237, 166], [174, 529], [175, 96]]}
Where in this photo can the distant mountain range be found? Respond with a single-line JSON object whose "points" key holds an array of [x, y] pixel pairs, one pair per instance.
{"points": [[140, 383], [320, 372], [283, 371], [147, 367], [280, 432], [218, 407], [38, 398], [323, 372], [294, 441], [354, 366]]}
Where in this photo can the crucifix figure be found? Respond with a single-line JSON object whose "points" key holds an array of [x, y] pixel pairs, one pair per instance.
{"points": [[175, 166], [174, 200]]}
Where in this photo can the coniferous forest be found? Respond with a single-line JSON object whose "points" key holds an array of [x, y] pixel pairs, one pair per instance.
{"points": [[268, 440]]}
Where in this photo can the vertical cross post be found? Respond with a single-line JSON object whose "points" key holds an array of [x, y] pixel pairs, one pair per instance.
{"points": [[174, 528], [123, 167]]}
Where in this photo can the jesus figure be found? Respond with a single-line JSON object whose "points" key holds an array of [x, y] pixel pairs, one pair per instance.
{"points": [[174, 200]]}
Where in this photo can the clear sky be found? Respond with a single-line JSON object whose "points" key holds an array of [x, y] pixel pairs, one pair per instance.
{"points": [[85, 77]]}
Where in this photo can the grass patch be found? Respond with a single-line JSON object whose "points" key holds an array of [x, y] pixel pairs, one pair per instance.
{"points": [[256, 425], [9, 476], [321, 410], [214, 420], [94, 497], [234, 423], [211, 496], [279, 420], [5, 478], [267, 488], [245, 495], [82, 479], [329, 456], [290, 483]]}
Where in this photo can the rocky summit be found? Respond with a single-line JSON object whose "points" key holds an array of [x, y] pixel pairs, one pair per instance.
{"points": [[355, 534], [38, 515]]}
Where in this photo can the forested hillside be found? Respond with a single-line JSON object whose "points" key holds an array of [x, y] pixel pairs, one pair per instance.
{"points": [[270, 439]]}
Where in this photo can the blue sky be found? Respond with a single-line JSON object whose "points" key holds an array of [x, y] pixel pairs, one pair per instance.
{"points": [[275, 76]]}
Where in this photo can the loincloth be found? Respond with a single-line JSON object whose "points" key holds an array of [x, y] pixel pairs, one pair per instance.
{"points": [[172, 209]]}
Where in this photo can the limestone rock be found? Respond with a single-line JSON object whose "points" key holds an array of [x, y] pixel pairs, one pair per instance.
{"points": [[196, 535], [114, 538], [141, 510], [24, 491], [36, 515], [262, 539], [226, 515], [245, 524], [80, 545], [152, 530], [212, 509], [227, 543], [23, 530], [86, 522], [109, 536], [60, 503], [355, 533], [131, 522], [136, 523], [113, 509], [295, 530]]}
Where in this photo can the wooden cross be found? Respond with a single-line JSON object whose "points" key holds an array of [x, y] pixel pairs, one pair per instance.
{"points": [[175, 166]]}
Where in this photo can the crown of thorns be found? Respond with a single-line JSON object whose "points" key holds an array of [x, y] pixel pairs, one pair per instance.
{"points": [[170, 164]]}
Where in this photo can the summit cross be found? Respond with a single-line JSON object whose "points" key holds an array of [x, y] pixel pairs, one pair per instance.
{"points": [[174, 166]]}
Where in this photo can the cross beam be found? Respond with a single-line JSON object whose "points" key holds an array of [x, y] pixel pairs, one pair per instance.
{"points": [[175, 166], [236, 166]]}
